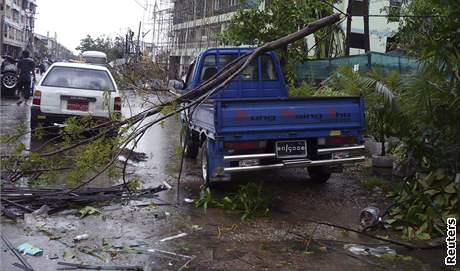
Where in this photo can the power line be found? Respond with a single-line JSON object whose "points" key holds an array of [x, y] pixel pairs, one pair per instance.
{"points": [[407, 16], [325, 36], [334, 7]]}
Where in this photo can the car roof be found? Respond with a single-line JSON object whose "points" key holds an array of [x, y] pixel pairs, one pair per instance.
{"points": [[79, 65], [94, 54]]}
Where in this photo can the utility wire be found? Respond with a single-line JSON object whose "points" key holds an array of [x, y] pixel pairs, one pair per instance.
{"points": [[325, 36], [384, 15], [334, 7], [407, 16]]}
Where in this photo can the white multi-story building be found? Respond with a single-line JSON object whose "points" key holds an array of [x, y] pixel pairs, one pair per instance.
{"points": [[195, 26], [17, 24]]}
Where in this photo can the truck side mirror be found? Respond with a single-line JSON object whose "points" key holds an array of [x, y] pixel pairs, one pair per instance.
{"points": [[176, 84]]}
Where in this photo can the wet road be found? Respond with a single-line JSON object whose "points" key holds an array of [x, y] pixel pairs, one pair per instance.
{"points": [[126, 234]]}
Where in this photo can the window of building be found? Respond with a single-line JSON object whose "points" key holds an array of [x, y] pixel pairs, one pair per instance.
{"points": [[216, 5], [232, 3], [394, 10]]}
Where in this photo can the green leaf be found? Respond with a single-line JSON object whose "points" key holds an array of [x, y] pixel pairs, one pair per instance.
{"points": [[450, 188], [88, 210], [68, 255], [423, 236], [432, 192]]}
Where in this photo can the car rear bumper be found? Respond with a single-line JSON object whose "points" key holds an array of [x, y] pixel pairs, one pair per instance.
{"points": [[304, 162], [57, 119]]}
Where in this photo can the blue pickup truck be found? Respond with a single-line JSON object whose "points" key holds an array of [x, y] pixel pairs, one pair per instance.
{"points": [[252, 124]]}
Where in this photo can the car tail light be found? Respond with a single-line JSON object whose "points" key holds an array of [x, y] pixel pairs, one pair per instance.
{"points": [[117, 104], [242, 145], [337, 140], [36, 100]]}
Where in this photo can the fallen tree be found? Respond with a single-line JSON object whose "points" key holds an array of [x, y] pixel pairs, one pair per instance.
{"points": [[136, 126]]}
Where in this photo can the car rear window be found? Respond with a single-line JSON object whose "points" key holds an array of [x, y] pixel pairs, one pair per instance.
{"points": [[72, 77]]}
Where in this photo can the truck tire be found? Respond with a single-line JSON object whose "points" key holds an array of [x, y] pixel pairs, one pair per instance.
{"points": [[189, 143], [205, 163], [319, 174]]}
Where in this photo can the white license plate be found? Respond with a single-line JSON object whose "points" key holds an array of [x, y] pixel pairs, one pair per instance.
{"points": [[291, 149]]}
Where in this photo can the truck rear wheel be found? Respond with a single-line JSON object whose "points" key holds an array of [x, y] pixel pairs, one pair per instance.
{"points": [[319, 174]]}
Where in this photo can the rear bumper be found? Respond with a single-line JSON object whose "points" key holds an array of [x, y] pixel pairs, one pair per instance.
{"points": [[57, 119], [294, 162]]}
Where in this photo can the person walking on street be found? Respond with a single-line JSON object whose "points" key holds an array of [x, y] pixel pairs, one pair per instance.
{"points": [[26, 66]]}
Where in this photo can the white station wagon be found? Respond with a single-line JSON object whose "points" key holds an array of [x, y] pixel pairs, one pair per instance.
{"points": [[74, 89]]}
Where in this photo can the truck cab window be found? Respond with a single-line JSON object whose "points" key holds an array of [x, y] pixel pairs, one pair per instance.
{"points": [[188, 77], [251, 72], [268, 68], [209, 67], [224, 59]]}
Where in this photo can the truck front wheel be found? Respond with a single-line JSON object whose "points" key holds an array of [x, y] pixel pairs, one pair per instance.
{"points": [[319, 174], [190, 143]]}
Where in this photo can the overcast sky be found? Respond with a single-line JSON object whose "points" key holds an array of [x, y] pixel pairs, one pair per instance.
{"points": [[74, 19]]}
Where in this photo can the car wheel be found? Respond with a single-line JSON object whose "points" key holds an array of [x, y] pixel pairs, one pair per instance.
{"points": [[205, 163], [9, 80], [8, 83], [319, 174], [189, 143]]}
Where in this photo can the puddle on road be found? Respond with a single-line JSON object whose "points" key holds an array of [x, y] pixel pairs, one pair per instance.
{"points": [[159, 143]]}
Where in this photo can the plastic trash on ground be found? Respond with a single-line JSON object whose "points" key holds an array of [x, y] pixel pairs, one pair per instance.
{"points": [[80, 237], [369, 217], [365, 250], [30, 249], [173, 237], [188, 200]]}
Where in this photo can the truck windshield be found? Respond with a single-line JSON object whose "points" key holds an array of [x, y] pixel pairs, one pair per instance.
{"points": [[251, 73], [70, 77]]}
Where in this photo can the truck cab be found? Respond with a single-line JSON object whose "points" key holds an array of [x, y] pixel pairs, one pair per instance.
{"points": [[252, 124]]}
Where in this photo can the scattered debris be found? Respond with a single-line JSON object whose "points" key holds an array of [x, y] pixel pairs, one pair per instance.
{"points": [[43, 211], [370, 217], [25, 265], [222, 230], [379, 251], [29, 249], [88, 210], [188, 200], [19, 201], [168, 254], [74, 266], [53, 257], [197, 227], [68, 255], [168, 186], [174, 237], [81, 237]]}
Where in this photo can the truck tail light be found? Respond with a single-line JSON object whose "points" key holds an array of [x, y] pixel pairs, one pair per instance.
{"points": [[337, 140], [37, 98], [244, 145], [117, 104]]}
